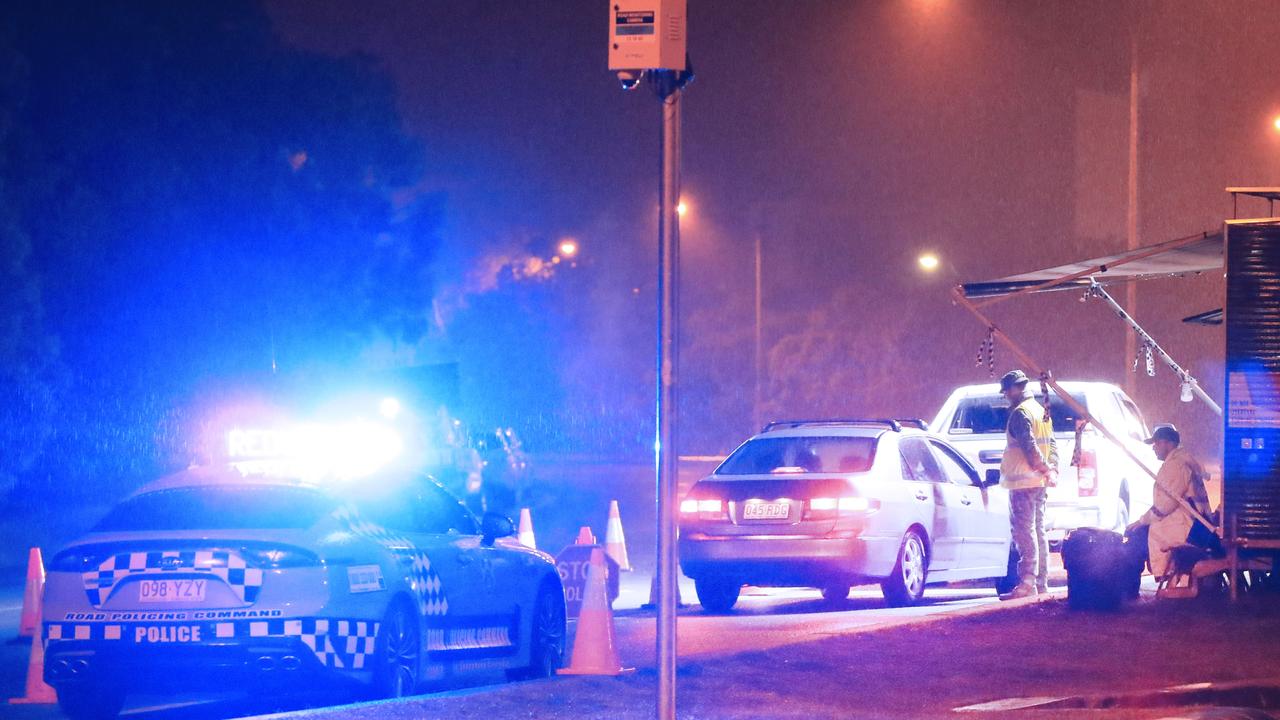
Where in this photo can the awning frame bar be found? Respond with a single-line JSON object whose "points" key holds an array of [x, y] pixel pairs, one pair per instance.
{"points": [[1096, 290], [1095, 270]]}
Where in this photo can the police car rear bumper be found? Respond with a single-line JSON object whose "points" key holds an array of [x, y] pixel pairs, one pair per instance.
{"points": [[212, 655], [278, 661]]}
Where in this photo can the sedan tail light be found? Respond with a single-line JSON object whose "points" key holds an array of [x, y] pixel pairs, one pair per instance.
{"points": [[821, 508], [702, 509]]}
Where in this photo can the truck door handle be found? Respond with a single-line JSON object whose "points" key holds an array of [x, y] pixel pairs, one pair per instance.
{"points": [[921, 496], [966, 501], [464, 559]]}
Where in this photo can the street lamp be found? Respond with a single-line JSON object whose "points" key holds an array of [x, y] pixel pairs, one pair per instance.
{"points": [[928, 262], [682, 208], [567, 248], [1276, 123]]}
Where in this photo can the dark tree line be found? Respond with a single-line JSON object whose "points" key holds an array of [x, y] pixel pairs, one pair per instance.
{"points": [[183, 200]]}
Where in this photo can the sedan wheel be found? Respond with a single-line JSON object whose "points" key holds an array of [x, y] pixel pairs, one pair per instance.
{"points": [[398, 653], [906, 585], [1010, 579], [717, 595], [835, 593]]}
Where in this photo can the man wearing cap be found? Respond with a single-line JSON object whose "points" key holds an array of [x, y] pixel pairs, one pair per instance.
{"points": [[1029, 466], [1180, 477]]}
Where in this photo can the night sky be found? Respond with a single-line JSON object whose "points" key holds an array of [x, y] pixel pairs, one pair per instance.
{"points": [[853, 135]]}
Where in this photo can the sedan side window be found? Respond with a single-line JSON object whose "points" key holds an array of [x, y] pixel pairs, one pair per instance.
{"points": [[916, 457], [954, 467]]}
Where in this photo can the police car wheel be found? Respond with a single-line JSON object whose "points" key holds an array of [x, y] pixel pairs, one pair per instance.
{"points": [[398, 653], [546, 645], [90, 702]]}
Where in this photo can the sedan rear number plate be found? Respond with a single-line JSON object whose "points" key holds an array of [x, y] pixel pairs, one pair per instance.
{"points": [[766, 511], [161, 591]]}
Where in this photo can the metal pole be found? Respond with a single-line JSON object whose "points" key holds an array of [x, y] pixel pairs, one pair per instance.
{"points": [[1131, 219], [668, 333], [1134, 327], [758, 398]]}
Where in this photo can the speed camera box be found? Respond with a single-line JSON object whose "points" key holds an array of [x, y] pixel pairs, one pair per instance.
{"points": [[647, 34]]}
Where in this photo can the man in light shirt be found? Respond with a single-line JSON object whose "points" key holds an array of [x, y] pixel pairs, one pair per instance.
{"points": [[1181, 478]]}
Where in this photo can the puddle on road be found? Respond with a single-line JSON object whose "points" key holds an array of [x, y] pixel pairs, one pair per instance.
{"points": [[1261, 695]]}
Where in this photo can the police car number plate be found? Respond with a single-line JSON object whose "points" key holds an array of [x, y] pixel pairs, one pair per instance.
{"points": [[766, 511], [161, 591]]}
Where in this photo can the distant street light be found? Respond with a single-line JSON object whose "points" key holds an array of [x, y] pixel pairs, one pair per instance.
{"points": [[1276, 123], [567, 248], [928, 262], [681, 208]]}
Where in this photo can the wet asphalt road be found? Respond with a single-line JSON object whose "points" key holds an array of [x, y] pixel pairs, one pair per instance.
{"points": [[763, 619]]}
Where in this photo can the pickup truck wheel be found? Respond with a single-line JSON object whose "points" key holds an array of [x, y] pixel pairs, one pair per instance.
{"points": [[1122, 515]]}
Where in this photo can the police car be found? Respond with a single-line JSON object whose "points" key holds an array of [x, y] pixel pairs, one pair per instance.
{"points": [[231, 577]]}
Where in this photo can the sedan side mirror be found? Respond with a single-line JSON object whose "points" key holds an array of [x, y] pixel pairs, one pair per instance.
{"points": [[992, 478], [495, 525]]}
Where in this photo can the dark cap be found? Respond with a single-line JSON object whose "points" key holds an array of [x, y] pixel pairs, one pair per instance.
{"points": [[1011, 378], [1165, 432]]}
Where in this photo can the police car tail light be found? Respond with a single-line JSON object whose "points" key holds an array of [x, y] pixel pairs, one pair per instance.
{"points": [[281, 556], [77, 560]]}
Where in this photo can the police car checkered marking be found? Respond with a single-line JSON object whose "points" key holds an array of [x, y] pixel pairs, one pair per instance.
{"points": [[243, 580], [337, 644], [423, 580]]}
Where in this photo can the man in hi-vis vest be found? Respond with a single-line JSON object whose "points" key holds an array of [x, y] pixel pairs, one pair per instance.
{"points": [[1029, 467]]}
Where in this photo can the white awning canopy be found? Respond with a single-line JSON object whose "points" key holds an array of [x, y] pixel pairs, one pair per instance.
{"points": [[1173, 258]]}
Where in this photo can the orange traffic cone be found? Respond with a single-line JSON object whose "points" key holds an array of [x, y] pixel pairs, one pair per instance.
{"points": [[29, 626], [37, 692], [526, 529], [653, 592], [614, 542], [595, 648], [585, 537]]}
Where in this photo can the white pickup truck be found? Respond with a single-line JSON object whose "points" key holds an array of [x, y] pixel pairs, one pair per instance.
{"points": [[1104, 489]]}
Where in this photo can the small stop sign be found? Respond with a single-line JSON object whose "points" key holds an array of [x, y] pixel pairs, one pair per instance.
{"points": [[573, 563]]}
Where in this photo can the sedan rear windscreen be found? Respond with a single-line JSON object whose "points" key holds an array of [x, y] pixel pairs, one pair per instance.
{"points": [[219, 508], [990, 414], [786, 455]]}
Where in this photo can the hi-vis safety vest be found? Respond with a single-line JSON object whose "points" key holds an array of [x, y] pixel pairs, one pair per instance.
{"points": [[1016, 471]]}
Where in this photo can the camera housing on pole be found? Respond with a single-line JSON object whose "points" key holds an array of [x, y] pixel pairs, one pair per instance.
{"points": [[646, 35]]}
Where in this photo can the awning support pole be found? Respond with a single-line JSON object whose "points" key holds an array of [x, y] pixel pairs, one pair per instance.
{"points": [[1097, 290], [957, 292]]}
